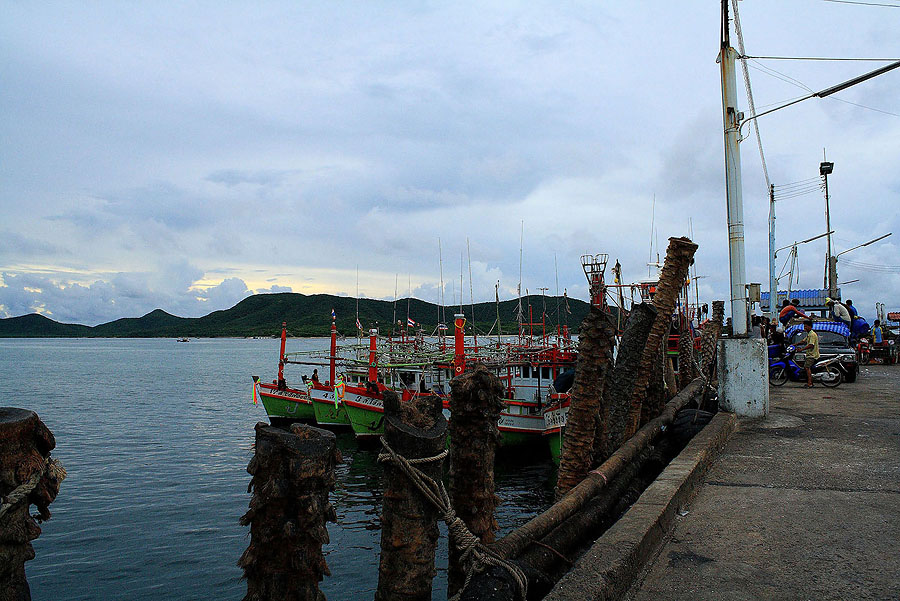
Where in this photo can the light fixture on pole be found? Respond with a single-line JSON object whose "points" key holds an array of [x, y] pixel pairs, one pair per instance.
{"points": [[825, 169]]}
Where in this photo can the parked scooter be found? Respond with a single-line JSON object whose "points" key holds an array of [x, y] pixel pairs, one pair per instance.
{"points": [[783, 369]]}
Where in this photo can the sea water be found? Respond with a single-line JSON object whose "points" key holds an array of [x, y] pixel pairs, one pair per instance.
{"points": [[156, 436]]}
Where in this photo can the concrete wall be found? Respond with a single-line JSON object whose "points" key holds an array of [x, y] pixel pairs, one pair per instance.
{"points": [[744, 376]]}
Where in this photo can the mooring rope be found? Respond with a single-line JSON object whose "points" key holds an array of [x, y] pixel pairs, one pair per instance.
{"points": [[474, 553], [19, 494]]}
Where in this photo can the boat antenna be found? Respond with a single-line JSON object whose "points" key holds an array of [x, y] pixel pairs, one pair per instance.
{"points": [[358, 331], [471, 291], [460, 282], [441, 314], [519, 287], [652, 226], [408, 296], [394, 320], [497, 299], [556, 269]]}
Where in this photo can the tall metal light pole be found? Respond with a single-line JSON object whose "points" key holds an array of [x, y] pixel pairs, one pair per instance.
{"points": [[825, 169], [732, 121], [773, 284]]}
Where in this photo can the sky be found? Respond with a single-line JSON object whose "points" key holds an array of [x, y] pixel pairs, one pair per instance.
{"points": [[185, 155]]}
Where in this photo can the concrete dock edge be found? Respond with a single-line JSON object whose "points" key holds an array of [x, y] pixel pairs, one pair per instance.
{"points": [[608, 569]]}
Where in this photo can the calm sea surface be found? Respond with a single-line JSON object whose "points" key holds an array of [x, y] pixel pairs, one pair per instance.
{"points": [[156, 437]]}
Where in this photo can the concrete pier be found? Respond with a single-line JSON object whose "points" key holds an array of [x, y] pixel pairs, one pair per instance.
{"points": [[802, 505]]}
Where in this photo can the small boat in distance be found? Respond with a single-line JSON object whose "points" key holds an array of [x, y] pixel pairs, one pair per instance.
{"points": [[184, 340]]}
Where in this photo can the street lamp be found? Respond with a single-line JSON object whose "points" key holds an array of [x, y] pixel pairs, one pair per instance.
{"points": [[825, 169], [834, 262]]}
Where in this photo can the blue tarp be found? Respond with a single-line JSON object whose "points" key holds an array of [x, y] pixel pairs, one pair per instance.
{"points": [[820, 326]]}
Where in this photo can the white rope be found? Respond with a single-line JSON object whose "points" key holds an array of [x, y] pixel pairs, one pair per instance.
{"points": [[18, 495], [474, 553]]}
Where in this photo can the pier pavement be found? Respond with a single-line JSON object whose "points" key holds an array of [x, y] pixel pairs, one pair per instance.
{"points": [[802, 505]]}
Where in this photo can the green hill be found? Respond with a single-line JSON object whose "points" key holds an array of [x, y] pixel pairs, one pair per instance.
{"points": [[38, 326], [262, 315]]}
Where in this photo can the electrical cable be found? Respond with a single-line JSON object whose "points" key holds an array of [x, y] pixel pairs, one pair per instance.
{"points": [[746, 71], [863, 3], [864, 106], [822, 58]]}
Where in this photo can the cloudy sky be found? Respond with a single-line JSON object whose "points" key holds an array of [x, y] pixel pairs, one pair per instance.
{"points": [[185, 155]]}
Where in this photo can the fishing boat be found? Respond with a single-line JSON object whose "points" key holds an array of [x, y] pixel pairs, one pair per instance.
{"points": [[283, 403], [358, 378]]}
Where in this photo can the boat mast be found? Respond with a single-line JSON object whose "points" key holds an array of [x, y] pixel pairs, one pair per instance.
{"points": [[519, 287], [471, 293], [281, 383], [333, 358], [441, 314]]}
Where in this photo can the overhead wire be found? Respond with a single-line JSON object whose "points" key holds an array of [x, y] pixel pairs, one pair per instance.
{"points": [[871, 108], [746, 72], [857, 2], [823, 58]]}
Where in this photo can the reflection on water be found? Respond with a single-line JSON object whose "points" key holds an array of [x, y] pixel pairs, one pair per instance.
{"points": [[156, 437]]}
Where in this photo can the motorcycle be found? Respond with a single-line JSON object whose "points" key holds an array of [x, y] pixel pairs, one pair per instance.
{"points": [[784, 368], [863, 352]]}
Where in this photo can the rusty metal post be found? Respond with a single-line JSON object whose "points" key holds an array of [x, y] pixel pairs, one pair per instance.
{"points": [[293, 472], [679, 255], [595, 345], [414, 430], [628, 360], [475, 407], [27, 476]]}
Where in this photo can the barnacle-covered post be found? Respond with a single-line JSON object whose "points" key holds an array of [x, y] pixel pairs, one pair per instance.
{"points": [[293, 472], [628, 361], [687, 367], [587, 408], [28, 475], [679, 256], [474, 410], [417, 431], [709, 337]]}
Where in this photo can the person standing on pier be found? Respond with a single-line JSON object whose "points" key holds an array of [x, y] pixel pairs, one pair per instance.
{"points": [[812, 350]]}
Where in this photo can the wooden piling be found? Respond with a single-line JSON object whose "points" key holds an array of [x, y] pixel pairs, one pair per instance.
{"points": [[687, 367], [28, 475], [511, 545], [709, 337], [587, 408], [628, 361], [662, 380], [292, 474], [679, 256], [414, 430], [475, 407]]}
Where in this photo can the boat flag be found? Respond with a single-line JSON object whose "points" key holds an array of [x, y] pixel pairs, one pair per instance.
{"points": [[358, 324], [255, 382], [410, 322], [332, 315]]}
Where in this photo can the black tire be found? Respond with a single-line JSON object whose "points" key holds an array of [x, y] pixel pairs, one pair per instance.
{"points": [[851, 375], [778, 376], [832, 377], [863, 360]]}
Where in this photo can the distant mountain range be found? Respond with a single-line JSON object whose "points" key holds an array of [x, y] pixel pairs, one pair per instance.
{"points": [[262, 314]]}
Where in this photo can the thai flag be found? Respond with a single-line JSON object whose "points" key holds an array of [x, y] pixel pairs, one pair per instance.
{"points": [[410, 322], [358, 325], [332, 315]]}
